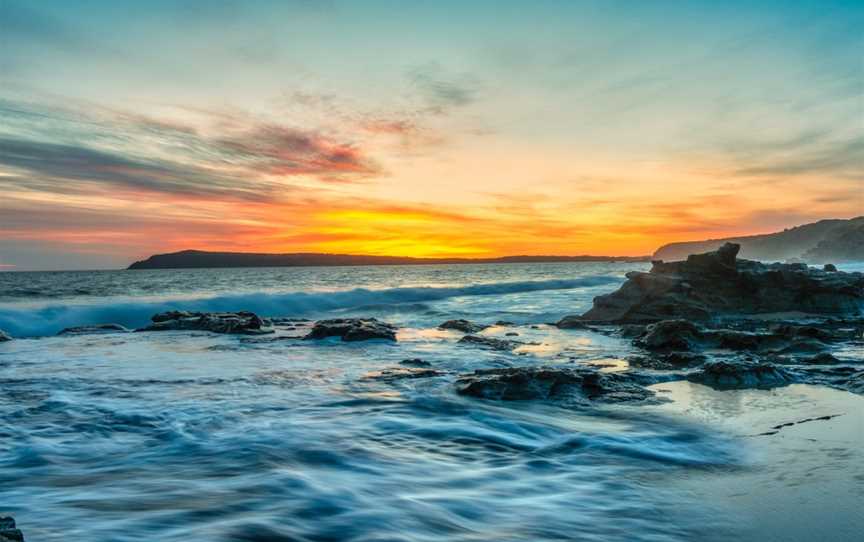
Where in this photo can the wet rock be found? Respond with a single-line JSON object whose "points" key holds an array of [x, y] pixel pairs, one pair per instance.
{"points": [[415, 362], [715, 284], [574, 385], [246, 323], [726, 375], [572, 322], [667, 361], [830, 267], [670, 335], [504, 323], [9, 532], [490, 342], [631, 330], [401, 373], [97, 328], [819, 359], [353, 329], [511, 334], [4, 336], [465, 326]]}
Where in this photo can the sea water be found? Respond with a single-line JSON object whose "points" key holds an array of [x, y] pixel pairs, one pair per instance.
{"points": [[191, 436]]}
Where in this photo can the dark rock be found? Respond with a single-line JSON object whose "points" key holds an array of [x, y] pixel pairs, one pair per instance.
{"points": [[819, 359], [577, 385], [631, 330], [400, 373], [717, 284], [8, 532], [667, 361], [830, 267], [243, 322], [97, 328], [670, 335], [465, 326], [415, 362], [572, 322], [490, 342], [4, 336], [740, 375], [511, 334], [504, 323], [353, 329]]}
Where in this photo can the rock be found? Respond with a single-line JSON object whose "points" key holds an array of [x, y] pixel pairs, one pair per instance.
{"points": [[504, 323], [715, 284], [727, 375], [670, 335], [577, 385], [97, 328], [667, 361], [819, 359], [400, 373], [830, 267], [465, 326], [4, 336], [8, 532], [490, 342], [353, 329], [572, 322], [415, 362], [243, 322], [511, 334]]}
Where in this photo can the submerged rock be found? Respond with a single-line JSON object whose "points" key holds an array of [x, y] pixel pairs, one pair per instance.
{"points": [[9, 532], [353, 329], [247, 323], [401, 373], [578, 385], [415, 362], [465, 326], [726, 375], [713, 284], [4, 336], [490, 342], [96, 328]]}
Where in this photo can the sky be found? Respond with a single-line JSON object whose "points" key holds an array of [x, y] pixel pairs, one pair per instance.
{"points": [[481, 128]]}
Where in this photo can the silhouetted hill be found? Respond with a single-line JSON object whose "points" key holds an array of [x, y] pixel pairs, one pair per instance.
{"points": [[820, 242], [202, 259]]}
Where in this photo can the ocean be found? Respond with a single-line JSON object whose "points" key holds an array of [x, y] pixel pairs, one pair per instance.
{"points": [[192, 436]]}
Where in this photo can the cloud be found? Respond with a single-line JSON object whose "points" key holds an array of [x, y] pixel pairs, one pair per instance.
{"points": [[443, 92], [280, 150], [842, 158]]}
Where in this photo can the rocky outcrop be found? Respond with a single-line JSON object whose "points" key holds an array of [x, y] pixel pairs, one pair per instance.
{"points": [[353, 329], [572, 385], [245, 323], [4, 336], [465, 326], [683, 336], [97, 328], [726, 375], [717, 284], [9, 532]]}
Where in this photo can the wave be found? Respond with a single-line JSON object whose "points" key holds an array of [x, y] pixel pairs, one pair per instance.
{"points": [[50, 319]]}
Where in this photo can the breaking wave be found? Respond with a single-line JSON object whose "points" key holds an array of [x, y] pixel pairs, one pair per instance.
{"points": [[50, 319]]}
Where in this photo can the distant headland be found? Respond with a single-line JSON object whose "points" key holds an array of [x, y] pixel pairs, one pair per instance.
{"points": [[188, 259], [825, 241]]}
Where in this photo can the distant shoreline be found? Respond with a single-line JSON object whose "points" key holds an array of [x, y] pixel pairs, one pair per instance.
{"points": [[196, 259]]}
